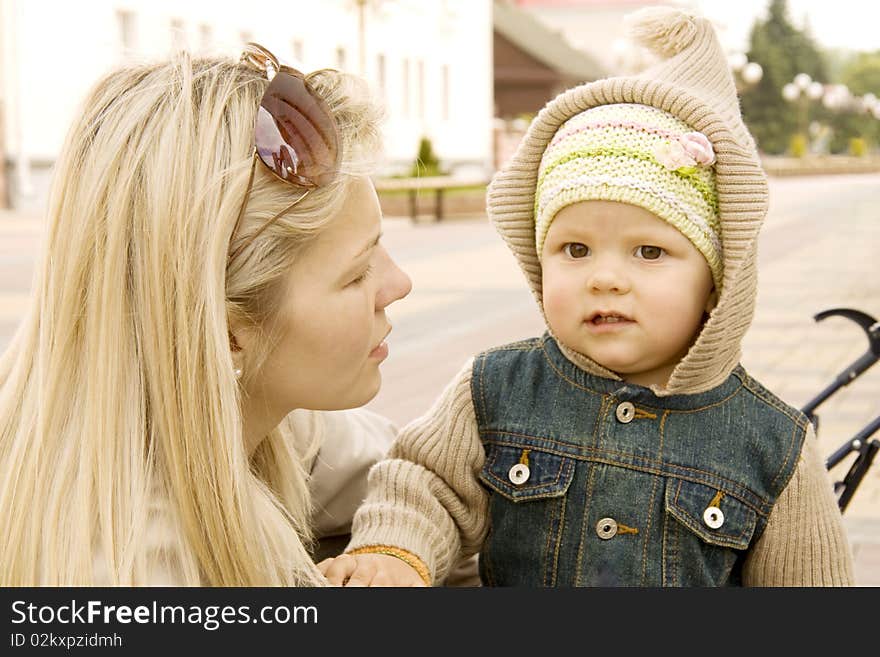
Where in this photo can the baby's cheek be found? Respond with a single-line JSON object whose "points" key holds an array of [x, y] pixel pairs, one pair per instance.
{"points": [[556, 307]]}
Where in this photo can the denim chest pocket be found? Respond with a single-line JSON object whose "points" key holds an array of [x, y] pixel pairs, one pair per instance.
{"points": [[520, 473], [527, 509], [707, 537]]}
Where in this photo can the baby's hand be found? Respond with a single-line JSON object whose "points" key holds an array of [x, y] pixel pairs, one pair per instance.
{"points": [[369, 570]]}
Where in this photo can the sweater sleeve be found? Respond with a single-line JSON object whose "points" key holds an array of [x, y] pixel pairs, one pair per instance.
{"points": [[426, 498], [804, 543]]}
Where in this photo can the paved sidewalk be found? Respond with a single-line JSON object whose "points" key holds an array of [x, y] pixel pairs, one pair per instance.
{"points": [[819, 251]]}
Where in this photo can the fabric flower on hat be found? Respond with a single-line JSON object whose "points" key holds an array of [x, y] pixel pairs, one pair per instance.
{"points": [[698, 146], [673, 156], [688, 151]]}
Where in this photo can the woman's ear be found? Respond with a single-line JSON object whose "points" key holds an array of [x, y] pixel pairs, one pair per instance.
{"points": [[237, 355], [241, 342]]}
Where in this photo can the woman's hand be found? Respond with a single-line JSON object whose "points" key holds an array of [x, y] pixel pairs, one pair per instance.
{"points": [[369, 570]]}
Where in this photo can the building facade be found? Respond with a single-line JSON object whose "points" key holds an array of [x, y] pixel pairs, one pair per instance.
{"points": [[533, 63], [429, 62]]}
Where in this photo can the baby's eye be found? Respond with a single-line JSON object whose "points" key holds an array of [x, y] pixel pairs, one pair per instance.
{"points": [[576, 250], [649, 252]]}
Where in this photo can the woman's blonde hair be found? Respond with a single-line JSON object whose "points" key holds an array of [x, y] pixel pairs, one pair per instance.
{"points": [[118, 399]]}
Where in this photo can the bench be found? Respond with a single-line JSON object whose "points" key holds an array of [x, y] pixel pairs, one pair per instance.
{"points": [[437, 184]]}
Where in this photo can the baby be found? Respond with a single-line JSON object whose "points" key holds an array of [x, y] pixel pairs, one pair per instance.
{"points": [[626, 446]]}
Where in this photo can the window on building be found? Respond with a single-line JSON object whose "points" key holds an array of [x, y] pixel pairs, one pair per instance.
{"points": [[340, 58], [206, 37], [125, 20], [421, 88], [380, 75], [178, 34], [405, 87], [444, 103]]}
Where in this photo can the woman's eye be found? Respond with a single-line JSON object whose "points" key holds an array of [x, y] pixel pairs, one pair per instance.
{"points": [[360, 279], [576, 250], [649, 252]]}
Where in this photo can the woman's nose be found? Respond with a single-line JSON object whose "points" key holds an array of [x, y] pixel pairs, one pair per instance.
{"points": [[396, 284]]}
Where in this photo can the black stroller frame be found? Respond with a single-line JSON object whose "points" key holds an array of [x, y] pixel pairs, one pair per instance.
{"points": [[861, 443]]}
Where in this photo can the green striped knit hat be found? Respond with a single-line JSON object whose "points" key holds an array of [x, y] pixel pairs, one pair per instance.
{"points": [[634, 154]]}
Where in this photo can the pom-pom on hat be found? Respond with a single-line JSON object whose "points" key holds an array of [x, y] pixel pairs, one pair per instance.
{"points": [[634, 154]]}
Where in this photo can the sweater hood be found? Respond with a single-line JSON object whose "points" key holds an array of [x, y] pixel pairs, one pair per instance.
{"points": [[693, 82]]}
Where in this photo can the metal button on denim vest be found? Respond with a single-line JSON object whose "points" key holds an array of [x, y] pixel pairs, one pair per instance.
{"points": [[596, 482]]}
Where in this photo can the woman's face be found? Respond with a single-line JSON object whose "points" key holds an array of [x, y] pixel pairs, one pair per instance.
{"points": [[332, 320]]}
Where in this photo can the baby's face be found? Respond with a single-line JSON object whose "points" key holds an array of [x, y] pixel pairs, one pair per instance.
{"points": [[624, 288]]}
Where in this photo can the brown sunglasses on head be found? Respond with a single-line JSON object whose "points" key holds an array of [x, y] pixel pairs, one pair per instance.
{"points": [[295, 135]]}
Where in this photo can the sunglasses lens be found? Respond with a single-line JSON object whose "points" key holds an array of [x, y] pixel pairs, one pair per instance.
{"points": [[295, 133]]}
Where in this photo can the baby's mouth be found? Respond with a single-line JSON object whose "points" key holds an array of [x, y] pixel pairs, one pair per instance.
{"points": [[607, 318]]}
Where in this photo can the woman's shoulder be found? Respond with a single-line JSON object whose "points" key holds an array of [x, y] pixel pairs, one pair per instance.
{"points": [[338, 436], [160, 560]]}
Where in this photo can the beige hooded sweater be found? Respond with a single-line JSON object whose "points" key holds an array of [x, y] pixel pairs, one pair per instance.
{"points": [[426, 498]]}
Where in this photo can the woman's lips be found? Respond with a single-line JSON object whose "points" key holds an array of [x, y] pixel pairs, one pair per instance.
{"points": [[380, 352]]}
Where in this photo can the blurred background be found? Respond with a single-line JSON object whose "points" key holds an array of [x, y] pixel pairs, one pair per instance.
{"points": [[460, 80]]}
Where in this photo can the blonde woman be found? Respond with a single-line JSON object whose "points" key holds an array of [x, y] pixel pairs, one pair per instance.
{"points": [[212, 282]]}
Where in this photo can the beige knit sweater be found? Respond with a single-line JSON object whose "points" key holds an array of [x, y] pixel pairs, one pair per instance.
{"points": [[427, 499]]}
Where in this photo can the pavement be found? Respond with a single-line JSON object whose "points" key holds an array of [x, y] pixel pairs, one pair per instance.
{"points": [[819, 249]]}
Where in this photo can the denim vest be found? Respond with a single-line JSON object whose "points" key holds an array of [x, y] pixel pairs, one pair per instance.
{"points": [[597, 482]]}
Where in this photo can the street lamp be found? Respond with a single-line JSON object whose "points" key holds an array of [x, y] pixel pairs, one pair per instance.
{"points": [[745, 73], [837, 97], [752, 73], [802, 89], [803, 85]]}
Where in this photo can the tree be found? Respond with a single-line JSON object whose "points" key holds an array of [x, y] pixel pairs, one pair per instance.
{"points": [[861, 75], [783, 51], [427, 163]]}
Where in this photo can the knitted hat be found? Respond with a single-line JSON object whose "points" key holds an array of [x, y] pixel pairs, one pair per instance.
{"points": [[693, 82], [635, 154]]}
